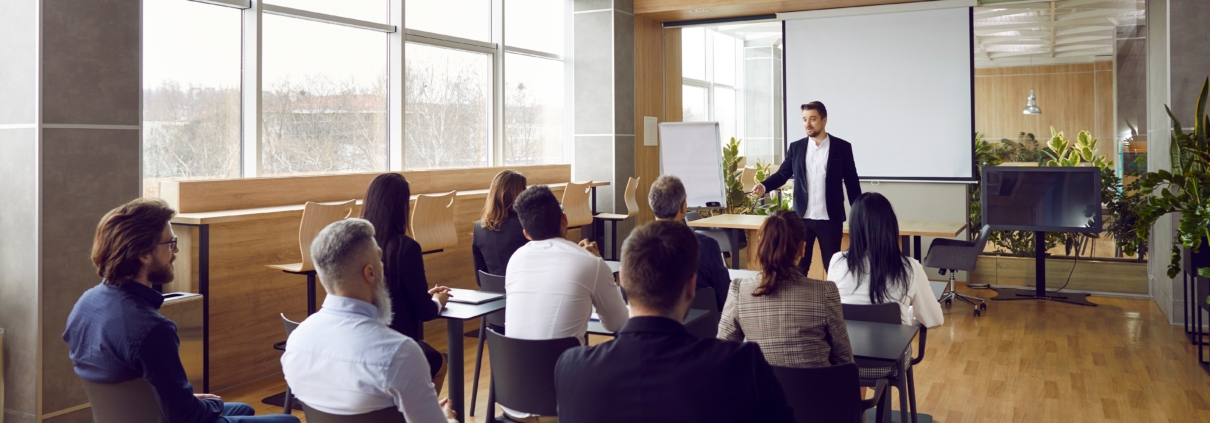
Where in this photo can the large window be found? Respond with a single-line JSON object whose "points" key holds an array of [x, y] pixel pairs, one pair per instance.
{"points": [[732, 75], [324, 93], [351, 86]]}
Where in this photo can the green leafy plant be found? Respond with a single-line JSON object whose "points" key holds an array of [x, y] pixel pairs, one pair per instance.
{"points": [[738, 200], [986, 154], [1184, 189], [1025, 149], [783, 200], [1123, 202]]}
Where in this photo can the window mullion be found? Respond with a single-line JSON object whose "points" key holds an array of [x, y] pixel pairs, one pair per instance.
{"points": [[396, 78], [251, 162], [496, 149]]}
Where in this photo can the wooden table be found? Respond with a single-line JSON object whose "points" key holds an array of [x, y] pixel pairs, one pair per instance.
{"points": [[203, 220], [910, 233], [455, 314], [595, 327]]}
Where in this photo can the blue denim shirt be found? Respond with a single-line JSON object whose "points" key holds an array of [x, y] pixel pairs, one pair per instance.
{"points": [[116, 334]]}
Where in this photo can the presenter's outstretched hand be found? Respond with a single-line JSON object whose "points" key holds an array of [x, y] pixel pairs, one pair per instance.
{"points": [[758, 190]]}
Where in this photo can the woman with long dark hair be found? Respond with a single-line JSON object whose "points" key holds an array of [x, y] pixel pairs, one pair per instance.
{"points": [[874, 269], [498, 233], [796, 321], [386, 207]]}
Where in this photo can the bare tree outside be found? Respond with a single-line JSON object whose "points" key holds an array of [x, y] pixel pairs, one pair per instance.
{"points": [[318, 125], [189, 133], [448, 103]]}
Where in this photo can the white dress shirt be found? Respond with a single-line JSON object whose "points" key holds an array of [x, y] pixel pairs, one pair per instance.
{"points": [[817, 172], [553, 285], [342, 360], [917, 303]]}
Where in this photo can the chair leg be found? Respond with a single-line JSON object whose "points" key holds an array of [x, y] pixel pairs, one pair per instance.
{"points": [[288, 402], [478, 362], [901, 385], [911, 385], [614, 241], [880, 412]]}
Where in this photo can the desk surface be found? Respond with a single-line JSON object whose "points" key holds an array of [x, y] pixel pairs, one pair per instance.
{"points": [[461, 311], [879, 341], [240, 215], [906, 227], [595, 328]]}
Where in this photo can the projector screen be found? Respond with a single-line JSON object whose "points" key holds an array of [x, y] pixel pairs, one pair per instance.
{"points": [[898, 86]]}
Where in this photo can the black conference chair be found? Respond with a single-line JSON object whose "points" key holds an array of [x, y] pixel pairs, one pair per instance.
{"points": [[288, 398], [871, 375], [826, 394], [952, 255], [386, 415], [723, 236], [523, 372], [487, 283], [707, 326], [126, 402]]}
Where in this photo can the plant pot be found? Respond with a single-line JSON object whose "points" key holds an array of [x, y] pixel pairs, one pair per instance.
{"points": [[1192, 261], [1112, 276]]}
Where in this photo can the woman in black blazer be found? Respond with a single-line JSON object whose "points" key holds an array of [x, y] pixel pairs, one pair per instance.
{"points": [[498, 233], [387, 207]]}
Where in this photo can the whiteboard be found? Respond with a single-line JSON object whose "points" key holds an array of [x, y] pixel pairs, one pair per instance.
{"points": [[693, 152]]}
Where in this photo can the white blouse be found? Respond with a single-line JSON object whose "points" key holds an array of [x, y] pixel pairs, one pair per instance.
{"points": [[917, 302]]}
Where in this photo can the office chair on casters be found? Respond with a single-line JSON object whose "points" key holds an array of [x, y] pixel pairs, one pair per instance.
{"points": [[951, 255]]}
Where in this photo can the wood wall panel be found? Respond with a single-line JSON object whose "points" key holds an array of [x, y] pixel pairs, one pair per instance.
{"points": [[246, 297], [1072, 97], [673, 107], [649, 101], [246, 193], [678, 10]]}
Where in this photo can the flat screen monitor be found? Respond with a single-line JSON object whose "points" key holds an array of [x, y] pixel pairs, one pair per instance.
{"points": [[1049, 199]]}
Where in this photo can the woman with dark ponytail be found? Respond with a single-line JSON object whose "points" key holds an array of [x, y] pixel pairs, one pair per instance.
{"points": [[796, 321], [874, 269]]}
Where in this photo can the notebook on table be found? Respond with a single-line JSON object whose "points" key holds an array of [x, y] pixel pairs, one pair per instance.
{"points": [[467, 296]]}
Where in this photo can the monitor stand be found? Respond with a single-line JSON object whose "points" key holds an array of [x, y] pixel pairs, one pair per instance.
{"points": [[1040, 292]]}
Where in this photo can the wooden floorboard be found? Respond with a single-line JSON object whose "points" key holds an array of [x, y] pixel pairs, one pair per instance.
{"points": [[1022, 361]]}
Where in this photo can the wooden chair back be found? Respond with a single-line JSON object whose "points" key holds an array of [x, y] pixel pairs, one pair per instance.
{"points": [[748, 178], [632, 204], [432, 221], [316, 217], [576, 204], [126, 402]]}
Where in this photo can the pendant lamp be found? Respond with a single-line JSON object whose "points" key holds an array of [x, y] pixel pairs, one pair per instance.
{"points": [[1031, 106], [1031, 103]]}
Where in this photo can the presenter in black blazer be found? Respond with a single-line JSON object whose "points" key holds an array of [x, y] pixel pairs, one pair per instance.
{"points": [[819, 165]]}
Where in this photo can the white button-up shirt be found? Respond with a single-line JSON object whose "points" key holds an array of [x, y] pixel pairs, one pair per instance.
{"points": [[342, 360], [817, 172], [552, 286]]}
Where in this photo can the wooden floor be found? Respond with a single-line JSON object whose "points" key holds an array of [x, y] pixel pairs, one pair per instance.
{"points": [[1022, 361]]}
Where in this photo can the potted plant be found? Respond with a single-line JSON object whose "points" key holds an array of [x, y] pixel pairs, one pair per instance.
{"points": [[1184, 189]]}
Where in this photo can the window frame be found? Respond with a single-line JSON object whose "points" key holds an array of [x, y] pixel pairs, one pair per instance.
{"points": [[709, 83], [398, 35]]}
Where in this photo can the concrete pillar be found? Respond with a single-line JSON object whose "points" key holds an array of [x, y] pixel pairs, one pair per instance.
{"points": [[69, 152], [604, 100], [1178, 63]]}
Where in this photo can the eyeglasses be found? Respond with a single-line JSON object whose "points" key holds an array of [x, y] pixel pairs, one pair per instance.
{"points": [[171, 244]]}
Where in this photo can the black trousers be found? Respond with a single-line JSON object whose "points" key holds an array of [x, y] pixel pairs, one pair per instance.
{"points": [[828, 232]]}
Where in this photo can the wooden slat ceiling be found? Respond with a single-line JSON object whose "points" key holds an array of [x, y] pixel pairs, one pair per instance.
{"points": [[682, 10], [1053, 31]]}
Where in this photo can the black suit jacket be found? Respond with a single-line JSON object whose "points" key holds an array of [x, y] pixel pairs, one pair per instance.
{"points": [[403, 266], [841, 169], [655, 371], [711, 271], [492, 249]]}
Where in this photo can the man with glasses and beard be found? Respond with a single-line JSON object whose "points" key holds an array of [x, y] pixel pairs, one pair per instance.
{"points": [[115, 332], [345, 359]]}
